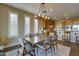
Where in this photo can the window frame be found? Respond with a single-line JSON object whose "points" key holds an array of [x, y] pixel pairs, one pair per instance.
{"points": [[25, 24], [9, 12], [34, 26]]}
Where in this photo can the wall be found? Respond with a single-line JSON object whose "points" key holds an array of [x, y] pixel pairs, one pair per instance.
{"points": [[3, 20]]}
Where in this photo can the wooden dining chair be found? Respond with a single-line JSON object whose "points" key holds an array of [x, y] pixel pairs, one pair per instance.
{"points": [[25, 49]]}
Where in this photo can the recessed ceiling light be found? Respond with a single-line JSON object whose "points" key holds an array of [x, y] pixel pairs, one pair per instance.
{"points": [[51, 9], [65, 15]]}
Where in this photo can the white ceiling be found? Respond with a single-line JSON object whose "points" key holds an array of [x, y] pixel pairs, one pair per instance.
{"points": [[59, 9]]}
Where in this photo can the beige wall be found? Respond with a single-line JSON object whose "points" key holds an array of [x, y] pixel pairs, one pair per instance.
{"points": [[4, 22]]}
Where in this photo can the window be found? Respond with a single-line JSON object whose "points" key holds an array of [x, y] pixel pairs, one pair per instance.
{"points": [[27, 25], [36, 26], [36, 38], [13, 24], [76, 27]]}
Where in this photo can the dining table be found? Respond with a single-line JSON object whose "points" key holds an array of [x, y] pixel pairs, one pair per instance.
{"points": [[35, 41]]}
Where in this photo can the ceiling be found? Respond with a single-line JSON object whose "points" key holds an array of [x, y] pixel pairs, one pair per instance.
{"points": [[60, 10]]}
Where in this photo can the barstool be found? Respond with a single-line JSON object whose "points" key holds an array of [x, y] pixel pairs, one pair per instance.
{"points": [[66, 37], [77, 37]]}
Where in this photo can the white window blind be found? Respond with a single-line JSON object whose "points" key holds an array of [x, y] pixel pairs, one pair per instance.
{"points": [[27, 25], [36, 26], [36, 38], [13, 24]]}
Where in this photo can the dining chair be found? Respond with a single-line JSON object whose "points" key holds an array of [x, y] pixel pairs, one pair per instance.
{"points": [[77, 37], [66, 37], [24, 49], [45, 46], [53, 40]]}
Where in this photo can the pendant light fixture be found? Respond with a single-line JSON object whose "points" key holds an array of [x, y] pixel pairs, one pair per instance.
{"points": [[42, 12]]}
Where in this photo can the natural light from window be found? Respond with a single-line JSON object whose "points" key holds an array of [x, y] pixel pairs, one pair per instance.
{"points": [[27, 28], [36, 38], [13, 24]]}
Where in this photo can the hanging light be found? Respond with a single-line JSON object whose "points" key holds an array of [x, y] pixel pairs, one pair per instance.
{"points": [[45, 17], [66, 16], [39, 15], [35, 16], [42, 11]]}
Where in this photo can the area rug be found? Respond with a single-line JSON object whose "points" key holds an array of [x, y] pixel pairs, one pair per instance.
{"points": [[61, 51]]}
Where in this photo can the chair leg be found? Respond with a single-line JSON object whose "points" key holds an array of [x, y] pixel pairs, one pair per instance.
{"points": [[37, 51], [24, 51], [31, 54], [54, 49], [45, 53], [56, 46], [51, 50], [18, 53], [34, 52]]}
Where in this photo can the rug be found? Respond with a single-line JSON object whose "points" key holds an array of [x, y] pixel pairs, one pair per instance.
{"points": [[61, 51]]}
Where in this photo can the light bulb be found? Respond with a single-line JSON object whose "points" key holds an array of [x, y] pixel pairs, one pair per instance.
{"points": [[51, 9], [35, 16], [45, 17], [39, 15], [42, 16]]}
